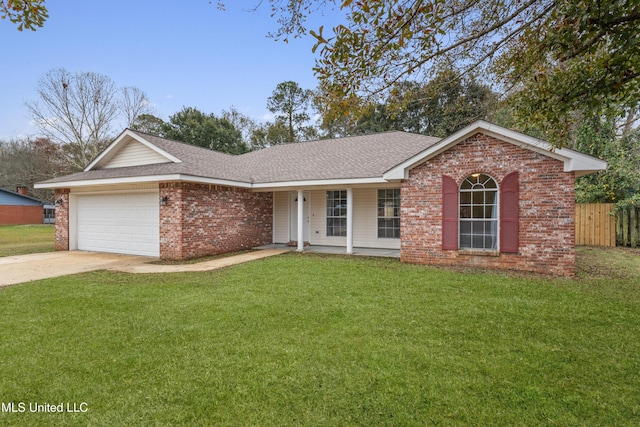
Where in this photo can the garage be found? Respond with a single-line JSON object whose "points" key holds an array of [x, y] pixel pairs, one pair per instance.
{"points": [[124, 223]]}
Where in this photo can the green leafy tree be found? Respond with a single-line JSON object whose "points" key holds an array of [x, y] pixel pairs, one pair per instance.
{"points": [[290, 103], [269, 134], [559, 56], [148, 123], [375, 118], [27, 14], [244, 123], [194, 127], [621, 181], [438, 108], [444, 105]]}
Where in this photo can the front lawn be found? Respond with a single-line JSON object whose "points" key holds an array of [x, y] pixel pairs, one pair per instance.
{"points": [[26, 239], [324, 340]]}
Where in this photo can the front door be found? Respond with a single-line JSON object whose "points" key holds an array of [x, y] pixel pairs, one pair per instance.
{"points": [[293, 216]]}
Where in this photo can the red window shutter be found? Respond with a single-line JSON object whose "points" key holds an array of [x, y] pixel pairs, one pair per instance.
{"points": [[509, 203], [449, 213]]}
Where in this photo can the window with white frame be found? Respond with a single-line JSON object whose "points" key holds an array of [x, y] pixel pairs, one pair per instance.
{"points": [[478, 214], [389, 213], [337, 213]]}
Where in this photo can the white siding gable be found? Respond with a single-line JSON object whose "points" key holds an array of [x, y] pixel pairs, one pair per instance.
{"points": [[135, 153]]}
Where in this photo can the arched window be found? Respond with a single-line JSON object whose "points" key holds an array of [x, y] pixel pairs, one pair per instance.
{"points": [[478, 213]]}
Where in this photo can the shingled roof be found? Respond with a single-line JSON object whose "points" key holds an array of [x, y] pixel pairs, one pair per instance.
{"points": [[365, 159], [366, 156]]}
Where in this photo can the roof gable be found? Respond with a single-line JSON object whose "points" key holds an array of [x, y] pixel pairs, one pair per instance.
{"points": [[131, 149], [135, 153], [574, 161]]}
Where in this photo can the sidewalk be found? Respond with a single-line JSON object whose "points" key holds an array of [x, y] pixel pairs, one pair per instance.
{"points": [[200, 266], [26, 268]]}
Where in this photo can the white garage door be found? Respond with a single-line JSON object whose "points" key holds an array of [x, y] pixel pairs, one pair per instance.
{"points": [[125, 223]]}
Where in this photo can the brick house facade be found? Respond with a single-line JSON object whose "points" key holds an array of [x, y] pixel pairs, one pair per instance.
{"points": [[416, 194], [546, 208], [198, 220], [18, 207]]}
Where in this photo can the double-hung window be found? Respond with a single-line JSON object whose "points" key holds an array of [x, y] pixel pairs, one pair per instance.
{"points": [[337, 213], [389, 213]]}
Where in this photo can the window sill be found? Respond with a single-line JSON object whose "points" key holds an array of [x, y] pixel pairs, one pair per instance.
{"points": [[478, 252]]}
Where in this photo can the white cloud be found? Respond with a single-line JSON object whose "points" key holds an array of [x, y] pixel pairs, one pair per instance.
{"points": [[268, 117]]}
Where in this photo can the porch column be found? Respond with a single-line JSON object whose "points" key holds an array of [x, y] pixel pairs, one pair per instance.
{"points": [[300, 220], [349, 220]]}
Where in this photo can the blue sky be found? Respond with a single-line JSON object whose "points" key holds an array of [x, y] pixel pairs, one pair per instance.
{"points": [[180, 52]]}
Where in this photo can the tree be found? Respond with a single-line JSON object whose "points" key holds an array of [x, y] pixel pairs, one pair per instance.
{"points": [[27, 14], [444, 105], [559, 56], [78, 111], [245, 124], [194, 127], [25, 161], [597, 136], [439, 107], [134, 103], [289, 102], [148, 123], [269, 134]]}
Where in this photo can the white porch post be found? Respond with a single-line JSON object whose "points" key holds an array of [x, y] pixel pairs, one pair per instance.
{"points": [[300, 220], [349, 220]]}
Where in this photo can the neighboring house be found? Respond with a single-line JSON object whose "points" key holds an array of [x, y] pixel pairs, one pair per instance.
{"points": [[485, 196], [17, 207]]}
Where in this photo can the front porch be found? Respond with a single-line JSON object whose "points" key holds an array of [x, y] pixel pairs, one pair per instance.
{"points": [[340, 250], [343, 220]]}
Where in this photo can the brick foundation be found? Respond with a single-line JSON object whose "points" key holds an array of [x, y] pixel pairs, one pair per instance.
{"points": [[546, 208], [62, 219], [200, 220]]}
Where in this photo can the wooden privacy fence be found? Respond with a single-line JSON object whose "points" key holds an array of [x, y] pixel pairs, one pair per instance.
{"points": [[595, 224], [628, 227]]}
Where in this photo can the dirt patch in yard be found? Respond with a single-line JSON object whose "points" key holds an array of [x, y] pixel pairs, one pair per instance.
{"points": [[613, 263]]}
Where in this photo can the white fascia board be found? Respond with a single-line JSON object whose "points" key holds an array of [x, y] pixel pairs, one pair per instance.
{"points": [[214, 181], [584, 164], [320, 183], [573, 160], [136, 137], [143, 179]]}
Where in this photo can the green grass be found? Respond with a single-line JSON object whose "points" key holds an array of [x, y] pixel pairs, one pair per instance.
{"points": [[326, 340], [26, 239]]}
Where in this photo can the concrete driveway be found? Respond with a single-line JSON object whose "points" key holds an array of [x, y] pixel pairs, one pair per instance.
{"points": [[25, 268]]}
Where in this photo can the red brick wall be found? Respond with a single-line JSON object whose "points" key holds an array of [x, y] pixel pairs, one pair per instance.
{"points": [[546, 208], [10, 214], [201, 220], [62, 219]]}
